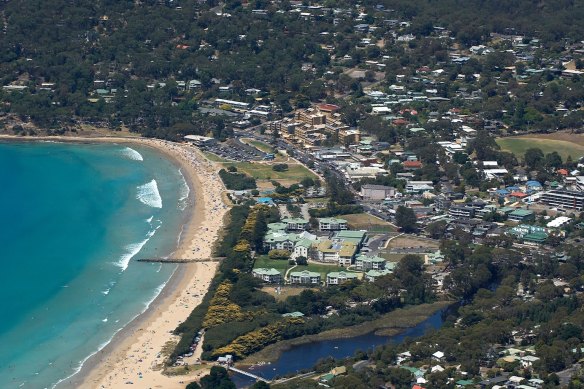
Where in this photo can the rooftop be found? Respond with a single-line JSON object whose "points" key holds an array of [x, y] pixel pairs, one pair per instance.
{"points": [[342, 274], [378, 273], [266, 272], [522, 212], [304, 273], [331, 220]]}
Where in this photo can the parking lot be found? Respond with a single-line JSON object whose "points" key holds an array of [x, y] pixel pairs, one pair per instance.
{"points": [[235, 150]]}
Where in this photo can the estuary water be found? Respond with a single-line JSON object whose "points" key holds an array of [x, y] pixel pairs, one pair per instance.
{"points": [[73, 220], [305, 356]]}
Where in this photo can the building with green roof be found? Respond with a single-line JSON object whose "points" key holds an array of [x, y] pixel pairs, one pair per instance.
{"points": [[295, 223], [304, 277], [280, 240], [521, 215], [277, 226], [357, 237], [366, 262], [372, 275], [293, 314], [337, 278], [302, 248], [332, 224], [270, 275], [535, 237], [414, 370]]}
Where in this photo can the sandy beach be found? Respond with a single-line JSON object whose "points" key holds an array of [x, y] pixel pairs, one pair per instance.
{"points": [[134, 355], [137, 358]]}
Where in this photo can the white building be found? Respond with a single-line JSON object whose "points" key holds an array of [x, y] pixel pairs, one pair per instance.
{"points": [[559, 222], [332, 224]]}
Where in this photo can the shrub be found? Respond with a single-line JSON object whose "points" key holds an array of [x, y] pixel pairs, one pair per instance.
{"points": [[279, 254], [280, 167]]}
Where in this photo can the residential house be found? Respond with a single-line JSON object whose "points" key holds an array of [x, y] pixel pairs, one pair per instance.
{"points": [[295, 224], [332, 224], [434, 258], [337, 278], [438, 356], [412, 165], [279, 240], [372, 275], [304, 277], [302, 248], [365, 263], [270, 275]]}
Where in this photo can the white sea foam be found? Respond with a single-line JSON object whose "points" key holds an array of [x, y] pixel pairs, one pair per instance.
{"points": [[184, 192], [134, 248], [149, 220], [104, 320], [148, 194], [105, 292], [132, 154]]}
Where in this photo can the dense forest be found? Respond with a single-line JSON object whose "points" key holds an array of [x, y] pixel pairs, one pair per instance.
{"points": [[118, 63]]}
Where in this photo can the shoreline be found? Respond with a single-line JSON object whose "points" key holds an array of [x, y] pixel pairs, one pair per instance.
{"points": [[136, 347]]}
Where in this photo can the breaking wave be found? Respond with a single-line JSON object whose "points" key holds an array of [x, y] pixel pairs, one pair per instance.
{"points": [[134, 248], [148, 194], [132, 154]]}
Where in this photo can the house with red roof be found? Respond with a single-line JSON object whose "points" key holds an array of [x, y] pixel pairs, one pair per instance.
{"points": [[412, 165], [518, 195], [400, 122]]}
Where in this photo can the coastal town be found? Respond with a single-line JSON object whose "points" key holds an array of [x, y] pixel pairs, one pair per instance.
{"points": [[409, 173], [514, 210]]}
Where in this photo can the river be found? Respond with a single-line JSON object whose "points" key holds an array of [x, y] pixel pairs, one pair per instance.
{"points": [[305, 356]]}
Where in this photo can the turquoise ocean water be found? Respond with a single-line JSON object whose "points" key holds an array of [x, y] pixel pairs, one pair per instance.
{"points": [[73, 220]]}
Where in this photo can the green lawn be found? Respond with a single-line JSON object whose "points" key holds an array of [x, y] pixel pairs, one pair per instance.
{"points": [[319, 268], [214, 158], [266, 148], [265, 261], [263, 171], [518, 146], [364, 221]]}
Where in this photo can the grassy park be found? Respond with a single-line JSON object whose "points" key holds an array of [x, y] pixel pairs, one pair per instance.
{"points": [[364, 221], [266, 148], [278, 264], [263, 171], [412, 241], [564, 144]]}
